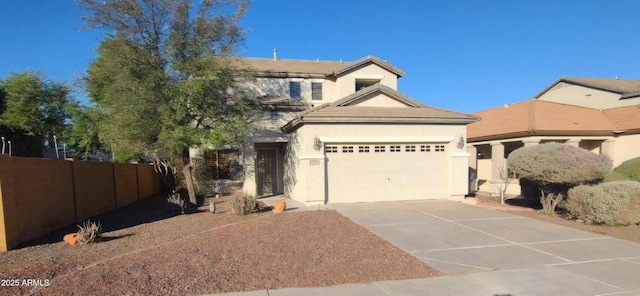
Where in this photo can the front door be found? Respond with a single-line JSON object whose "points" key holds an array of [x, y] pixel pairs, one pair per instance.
{"points": [[266, 171]]}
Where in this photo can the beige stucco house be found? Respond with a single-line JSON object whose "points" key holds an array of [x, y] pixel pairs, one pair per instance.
{"points": [[600, 115], [340, 132]]}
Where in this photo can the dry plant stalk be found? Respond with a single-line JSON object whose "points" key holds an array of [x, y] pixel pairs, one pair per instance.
{"points": [[90, 232]]}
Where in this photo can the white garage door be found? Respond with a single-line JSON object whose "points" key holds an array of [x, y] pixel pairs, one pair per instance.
{"points": [[386, 172]]}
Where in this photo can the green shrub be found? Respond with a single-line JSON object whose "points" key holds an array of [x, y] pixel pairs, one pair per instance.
{"points": [[615, 176], [630, 169], [612, 203], [556, 167], [243, 204]]}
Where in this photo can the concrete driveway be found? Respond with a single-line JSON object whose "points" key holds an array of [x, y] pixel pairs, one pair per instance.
{"points": [[488, 252]]}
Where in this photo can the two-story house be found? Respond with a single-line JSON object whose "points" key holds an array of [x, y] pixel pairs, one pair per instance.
{"points": [[336, 132], [597, 114]]}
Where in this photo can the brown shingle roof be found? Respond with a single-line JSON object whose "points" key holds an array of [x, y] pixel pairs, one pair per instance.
{"points": [[624, 87], [539, 118], [292, 66], [340, 111], [279, 67], [624, 118]]}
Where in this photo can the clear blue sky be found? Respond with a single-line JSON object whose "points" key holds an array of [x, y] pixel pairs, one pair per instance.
{"points": [[462, 55]]}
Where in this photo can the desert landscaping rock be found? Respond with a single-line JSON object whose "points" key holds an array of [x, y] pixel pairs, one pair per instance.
{"points": [[266, 251]]}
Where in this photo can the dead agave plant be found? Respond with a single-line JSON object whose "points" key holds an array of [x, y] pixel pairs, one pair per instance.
{"points": [[175, 204], [90, 232]]}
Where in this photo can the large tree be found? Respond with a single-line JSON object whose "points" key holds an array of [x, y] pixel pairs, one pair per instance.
{"points": [[32, 107], [82, 137], [164, 79]]}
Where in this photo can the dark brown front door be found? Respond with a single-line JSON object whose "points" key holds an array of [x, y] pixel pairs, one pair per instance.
{"points": [[266, 171]]}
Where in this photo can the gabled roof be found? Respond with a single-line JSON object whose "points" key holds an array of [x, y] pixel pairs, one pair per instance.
{"points": [[341, 112], [310, 68], [377, 88], [542, 118], [624, 87], [369, 60]]}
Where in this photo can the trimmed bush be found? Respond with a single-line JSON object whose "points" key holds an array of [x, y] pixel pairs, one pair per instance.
{"points": [[556, 167], [630, 169], [243, 204], [612, 203], [615, 176]]}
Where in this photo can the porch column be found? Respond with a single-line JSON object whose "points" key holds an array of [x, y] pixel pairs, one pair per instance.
{"points": [[608, 147], [473, 158], [575, 142], [473, 167], [497, 159], [530, 142]]}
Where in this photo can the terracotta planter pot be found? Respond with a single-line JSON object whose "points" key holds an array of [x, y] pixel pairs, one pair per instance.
{"points": [[279, 206], [71, 238]]}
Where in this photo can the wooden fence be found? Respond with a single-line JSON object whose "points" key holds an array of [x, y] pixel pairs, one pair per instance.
{"points": [[42, 195]]}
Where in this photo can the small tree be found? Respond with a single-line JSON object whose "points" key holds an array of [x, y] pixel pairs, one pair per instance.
{"points": [[502, 183], [556, 168]]}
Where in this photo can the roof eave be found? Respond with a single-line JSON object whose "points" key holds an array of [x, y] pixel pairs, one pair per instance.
{"points": [[569, 80], [520, 134], [376, 61], [269, 74]]}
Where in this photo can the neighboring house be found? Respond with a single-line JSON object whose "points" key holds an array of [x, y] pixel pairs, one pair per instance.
{"points": [[336, 132], [600, 115]]}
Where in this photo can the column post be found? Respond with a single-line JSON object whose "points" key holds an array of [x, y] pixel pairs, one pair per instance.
{"points": [[497, 159]]}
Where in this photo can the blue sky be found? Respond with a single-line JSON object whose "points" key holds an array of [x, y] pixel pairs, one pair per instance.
{"points": [[461, 55]]}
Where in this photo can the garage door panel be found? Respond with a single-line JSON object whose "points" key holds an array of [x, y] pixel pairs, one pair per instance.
{"points": [[385, 176]]}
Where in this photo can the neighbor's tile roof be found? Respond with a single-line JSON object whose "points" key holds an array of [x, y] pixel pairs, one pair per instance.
{"points": [[625, 87], [624, 118], [318, 67], [539, 118]]}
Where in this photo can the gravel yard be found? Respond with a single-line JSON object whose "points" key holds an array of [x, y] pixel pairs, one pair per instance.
{"points": [[202, 253]]}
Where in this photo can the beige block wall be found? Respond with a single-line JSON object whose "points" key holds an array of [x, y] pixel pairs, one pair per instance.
{"points": [[39, 196], [126, 183], [309, 184], [587, 97], [94, 188], [145, 180], [44, 196], [346, 84]]}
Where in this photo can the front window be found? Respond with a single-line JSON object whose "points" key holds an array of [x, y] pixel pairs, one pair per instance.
{"points": [[295, 91], [316, 91], [218, 163], [363, 83]]}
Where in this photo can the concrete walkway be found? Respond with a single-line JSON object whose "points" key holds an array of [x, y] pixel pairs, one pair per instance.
{"points": [[488, 252]]}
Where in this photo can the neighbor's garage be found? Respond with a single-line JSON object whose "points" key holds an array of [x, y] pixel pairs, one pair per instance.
{"points": [[358, 172]]}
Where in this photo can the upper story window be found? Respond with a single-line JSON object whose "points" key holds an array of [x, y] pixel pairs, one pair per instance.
{"points": [[362, 83], [316, 91], [295, 91]]}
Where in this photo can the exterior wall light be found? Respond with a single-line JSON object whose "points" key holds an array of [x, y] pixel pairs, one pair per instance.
{"points": [[317, 144], [461, 142]]}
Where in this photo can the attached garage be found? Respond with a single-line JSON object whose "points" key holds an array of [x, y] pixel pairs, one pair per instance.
{"points": [[376, 145], [364, 172]]}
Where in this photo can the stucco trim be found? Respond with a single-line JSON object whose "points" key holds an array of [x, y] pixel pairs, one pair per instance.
{"points": [[311, 157]]}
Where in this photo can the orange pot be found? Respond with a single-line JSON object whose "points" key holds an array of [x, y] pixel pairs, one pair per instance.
{"points": [[279, 206], [71, 238]]}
